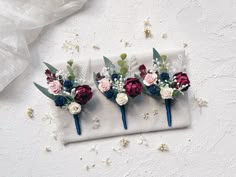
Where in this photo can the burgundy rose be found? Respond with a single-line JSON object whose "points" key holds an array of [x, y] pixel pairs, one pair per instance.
{"points": [[133, 87], [83, 94], [50, 76], [143, 71], [181, 81], [99, 76]]}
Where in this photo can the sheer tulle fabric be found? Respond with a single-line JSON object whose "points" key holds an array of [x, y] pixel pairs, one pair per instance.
{"points": [[21, 21]]}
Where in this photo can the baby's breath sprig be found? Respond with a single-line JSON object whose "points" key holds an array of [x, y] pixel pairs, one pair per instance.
{"points": [[118, 84]]}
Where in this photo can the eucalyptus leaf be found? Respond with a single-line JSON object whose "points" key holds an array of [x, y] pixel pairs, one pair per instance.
{"points": [[70, 62], [108, 63], [156, 55], [51, 68], [45, 91], [121, 63], [71, 78], [164, 57], [123, 56], [70, 70], [69, 98], [175, 93], [94, 78], [123, 70]]}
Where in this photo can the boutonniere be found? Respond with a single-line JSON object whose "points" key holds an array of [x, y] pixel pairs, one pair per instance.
{"points": [[115, 84], [158, 82], [66, 91]]}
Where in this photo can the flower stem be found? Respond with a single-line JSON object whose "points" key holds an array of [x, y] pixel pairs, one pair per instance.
{"points": [[77, 123], [122, 109], [168, 111]]}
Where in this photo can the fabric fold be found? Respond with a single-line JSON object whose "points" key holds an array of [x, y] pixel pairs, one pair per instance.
{"points": [[21, 21]]}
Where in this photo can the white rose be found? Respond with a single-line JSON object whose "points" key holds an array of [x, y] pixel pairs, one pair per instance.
{"points": [[74, 108], [121, 99], [166, 92]]}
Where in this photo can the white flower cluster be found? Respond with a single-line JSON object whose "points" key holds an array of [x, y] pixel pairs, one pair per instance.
{"points": [[118, 84]]}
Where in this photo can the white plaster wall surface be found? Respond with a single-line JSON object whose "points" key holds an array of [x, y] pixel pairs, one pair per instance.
{"points": [[206, 149]]}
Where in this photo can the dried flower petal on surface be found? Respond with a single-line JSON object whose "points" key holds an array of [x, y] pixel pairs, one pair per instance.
{"points": [[163, 147]]}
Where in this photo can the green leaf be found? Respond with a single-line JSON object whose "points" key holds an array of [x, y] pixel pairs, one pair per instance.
{"points": [[156, 55], [163, 69], [51, 68], [71, 78], [175, 93], [95, 81], [123, 70], [69, 98], [70, 62], [121, 63], [123, 56], [164, 57], [44, 91], [70, 70], [108, 63]]}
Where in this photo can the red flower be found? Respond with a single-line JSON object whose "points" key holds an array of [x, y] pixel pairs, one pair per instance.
{"points": [[99, 76], [143, 72], [133, 87], [50, 76], [181, 81], [83, 94]]}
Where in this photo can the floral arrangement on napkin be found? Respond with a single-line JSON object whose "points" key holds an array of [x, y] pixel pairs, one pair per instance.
{"points": [[158, 82], [115, 84], [66, 91]]}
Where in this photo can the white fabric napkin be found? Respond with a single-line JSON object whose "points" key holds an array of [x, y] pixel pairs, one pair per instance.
{"points": [[21, 21], [108, 112]]}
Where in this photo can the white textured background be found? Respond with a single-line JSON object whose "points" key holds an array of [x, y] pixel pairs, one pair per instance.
{"points": [[206, 149]]}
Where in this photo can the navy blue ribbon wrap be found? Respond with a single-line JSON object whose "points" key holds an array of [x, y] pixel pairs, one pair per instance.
{"points": [[122, 110], [168, 111], [77, 123]]}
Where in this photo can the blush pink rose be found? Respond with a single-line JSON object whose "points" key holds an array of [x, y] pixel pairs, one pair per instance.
{"points": [[150, 79], [54, 87], [104, 85]]}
